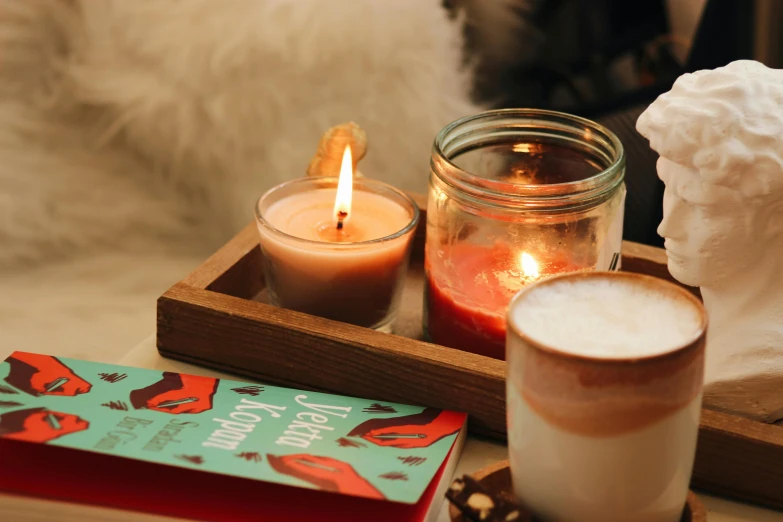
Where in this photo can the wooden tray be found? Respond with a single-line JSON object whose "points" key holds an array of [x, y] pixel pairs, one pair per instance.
{"points": [[216, 317], [497, 478]]}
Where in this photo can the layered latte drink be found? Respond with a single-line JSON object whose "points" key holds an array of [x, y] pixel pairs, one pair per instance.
{"points": [[604, 384]]}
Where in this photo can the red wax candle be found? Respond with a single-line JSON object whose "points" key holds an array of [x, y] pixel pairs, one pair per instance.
{"points": [[468, 312]]}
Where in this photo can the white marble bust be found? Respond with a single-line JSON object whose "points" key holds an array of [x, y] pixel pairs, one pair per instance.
{"points": [[720, 137]]}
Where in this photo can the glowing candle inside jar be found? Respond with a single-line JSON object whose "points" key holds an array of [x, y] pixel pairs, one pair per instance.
{"points": [[469, 312], [529, 265], [337, 252], [504, 184]]}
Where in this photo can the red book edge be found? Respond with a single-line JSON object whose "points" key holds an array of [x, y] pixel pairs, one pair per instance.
{"points": [[85, 477]]}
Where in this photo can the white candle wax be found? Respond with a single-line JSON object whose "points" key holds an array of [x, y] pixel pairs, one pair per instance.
{"points": [[339, 274]]}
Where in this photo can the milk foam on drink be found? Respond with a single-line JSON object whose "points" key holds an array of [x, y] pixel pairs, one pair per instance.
{"points": [[607, 318], [604, 393]]}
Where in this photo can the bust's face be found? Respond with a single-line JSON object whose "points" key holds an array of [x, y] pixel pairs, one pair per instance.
{"points": [[709, 229]]}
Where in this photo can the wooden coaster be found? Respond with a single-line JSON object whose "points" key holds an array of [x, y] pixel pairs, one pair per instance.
{"points": [[497, 478]]}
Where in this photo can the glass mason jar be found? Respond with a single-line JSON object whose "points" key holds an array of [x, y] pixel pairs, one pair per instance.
{"points": [[515, 195]]}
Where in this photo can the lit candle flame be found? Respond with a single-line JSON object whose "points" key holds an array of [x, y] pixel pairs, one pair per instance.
{"points": [[342, 201], [529, 265]]}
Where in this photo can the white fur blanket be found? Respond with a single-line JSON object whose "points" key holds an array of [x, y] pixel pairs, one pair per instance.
{"points": [[136, 135]]}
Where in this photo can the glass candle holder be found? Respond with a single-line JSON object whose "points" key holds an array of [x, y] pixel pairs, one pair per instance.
{"points": [[515, 195], [353, 274]]}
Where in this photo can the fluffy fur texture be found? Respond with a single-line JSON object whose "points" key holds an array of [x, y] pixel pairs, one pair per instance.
{"points": [[136, 135]]}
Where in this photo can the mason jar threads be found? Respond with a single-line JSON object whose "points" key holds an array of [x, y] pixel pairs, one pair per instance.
{"points": [[515, 195]]}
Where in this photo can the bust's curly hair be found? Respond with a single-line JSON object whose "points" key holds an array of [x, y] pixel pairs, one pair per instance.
{"points": [[726, 123]]}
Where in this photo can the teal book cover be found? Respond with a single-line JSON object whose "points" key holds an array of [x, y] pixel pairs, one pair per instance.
{"points": [[345, 445]]}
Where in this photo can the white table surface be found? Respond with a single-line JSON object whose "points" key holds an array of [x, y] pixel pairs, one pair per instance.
{"points": [[478, 453]]}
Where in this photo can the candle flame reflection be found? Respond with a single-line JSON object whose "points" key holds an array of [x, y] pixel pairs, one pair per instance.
{"points": [[529, 265], [342, 201]]}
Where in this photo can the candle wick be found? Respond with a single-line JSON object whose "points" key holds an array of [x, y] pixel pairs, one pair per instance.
{"points": [[341, 215]]}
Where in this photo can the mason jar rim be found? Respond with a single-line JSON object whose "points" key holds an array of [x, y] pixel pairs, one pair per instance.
{"points": [[508, 123]]}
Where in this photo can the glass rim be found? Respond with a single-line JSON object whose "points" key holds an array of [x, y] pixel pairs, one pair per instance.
{"points": [[691, 342], [508, 193], [317, 182]]}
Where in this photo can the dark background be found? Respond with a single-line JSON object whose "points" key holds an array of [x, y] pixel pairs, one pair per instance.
{"points": [[608, 59]]}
